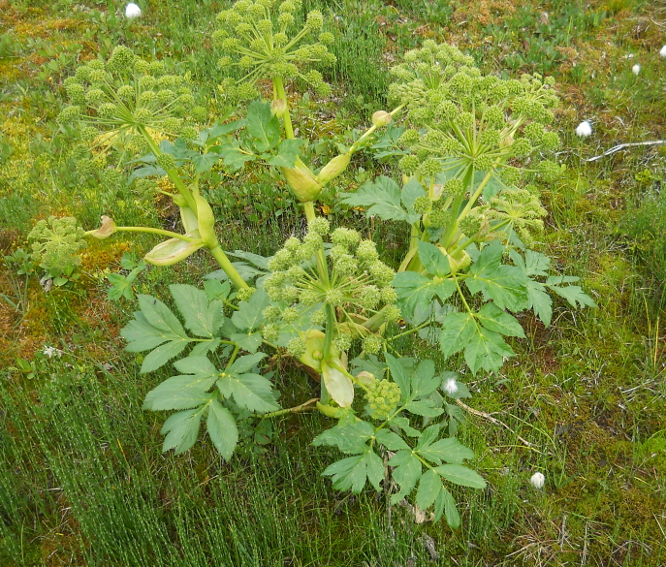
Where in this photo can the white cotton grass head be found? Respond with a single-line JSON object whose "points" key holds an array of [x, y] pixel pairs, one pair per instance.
{"points": [[538, 480], [51, 352], [636, 69], [584, 129], [662, 52], [451, 386], [132, 11]]}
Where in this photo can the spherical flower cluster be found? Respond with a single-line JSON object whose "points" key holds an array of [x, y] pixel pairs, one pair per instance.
{"points": [[259, 39], [356, 284], [459, 117], [521, 209], [122, 98], [56, 244], [383, 397]]}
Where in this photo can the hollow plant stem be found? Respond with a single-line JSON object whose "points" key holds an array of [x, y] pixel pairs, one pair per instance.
{"points": [[228, 267], [280, 93], [148, 230]]}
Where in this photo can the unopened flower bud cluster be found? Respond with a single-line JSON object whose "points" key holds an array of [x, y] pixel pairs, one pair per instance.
{"points": [[261, 39], [383, 397], [358, 282], [522, 207], [125, 95], [56, 243], [481, 120]]}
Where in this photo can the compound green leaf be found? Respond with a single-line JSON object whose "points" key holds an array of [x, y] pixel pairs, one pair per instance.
{"points": [[457, 474], [392, 441], [539, 301], [204, 347], [245, 363], [572, 293], [403, 423], [430, 486], [182, 429], [180, 392], [407, 472], [234, 157], [161, 317], [503, 284], [199, 365], [449, 450], [381, 198], [425, 407], [445, 503], [415, 290], [222, 429], [486, 349], [428, 437], [288, 152], [193, 306], [457, 331], [400, 376], [495, 319], [141, 335], [247, 341], [163, 354], [350, 438], [249, 315], [262, 125], [411, 191], [204, 162], [424, 381], [351, 473], [250, 391], [433, 260], [534, 264]]}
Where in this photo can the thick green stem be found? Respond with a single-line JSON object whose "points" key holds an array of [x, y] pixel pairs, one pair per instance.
{"points": [[320, 256], [216, 251], [477, 194], [280, 93], [447, 237], [149, 230], [172, 173], [228, 267], [330, 331], [413, 248], [310, 214]]}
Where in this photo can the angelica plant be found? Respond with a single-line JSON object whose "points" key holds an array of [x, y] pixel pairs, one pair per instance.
{"points": [[132, 105], [56, 244], [346, 291], [260, 38], [473, 143]]}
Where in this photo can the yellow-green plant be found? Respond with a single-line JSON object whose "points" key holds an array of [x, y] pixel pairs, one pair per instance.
{"points": [[469, 141]]}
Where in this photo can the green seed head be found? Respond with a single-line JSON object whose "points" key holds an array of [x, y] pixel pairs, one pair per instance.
{"points": [[372, 344]]}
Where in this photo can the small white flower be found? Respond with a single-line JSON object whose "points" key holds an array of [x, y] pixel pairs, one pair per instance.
{"points": [[636, 69], [663, 51], [50, 351], [537, 480], [584, 129], [451, 387], [132, 11]]}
